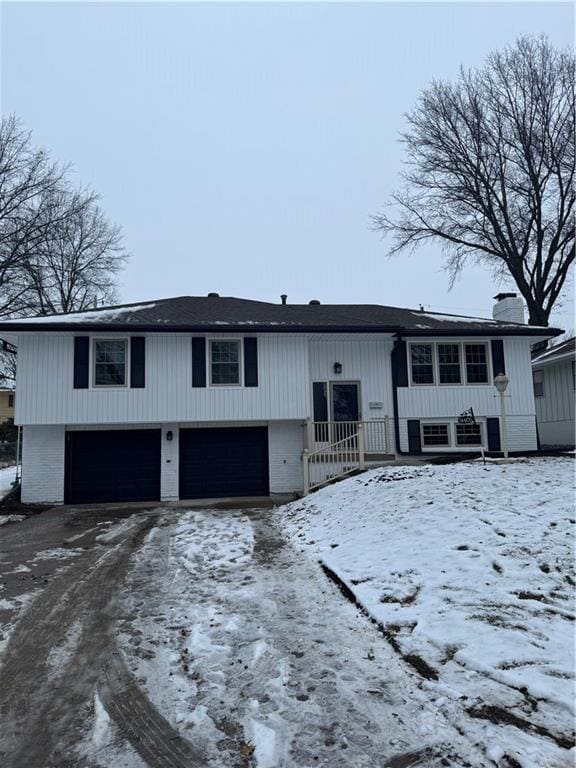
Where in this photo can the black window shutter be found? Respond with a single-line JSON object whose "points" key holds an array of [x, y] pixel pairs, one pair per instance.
{"points": [[493, 430], [498, 363], [400, 364], [320, 401], [250, 361], [138, 362], [198, 361], [81, 362], [414, 442]]}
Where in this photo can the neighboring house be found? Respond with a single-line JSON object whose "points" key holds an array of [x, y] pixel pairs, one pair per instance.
{"points": [[197, 397], [554, 384], [6, 405]]}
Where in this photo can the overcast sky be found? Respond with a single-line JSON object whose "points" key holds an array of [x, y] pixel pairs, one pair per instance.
{"points": [[243, 147]]}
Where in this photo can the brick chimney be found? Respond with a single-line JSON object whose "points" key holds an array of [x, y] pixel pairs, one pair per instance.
{"points": [[509, 308]]}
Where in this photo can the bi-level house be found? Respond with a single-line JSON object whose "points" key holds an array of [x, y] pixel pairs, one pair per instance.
{"points": [[200, 397]]}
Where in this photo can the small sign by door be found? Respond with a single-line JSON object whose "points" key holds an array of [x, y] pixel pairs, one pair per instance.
{"points": [[467, 417]]}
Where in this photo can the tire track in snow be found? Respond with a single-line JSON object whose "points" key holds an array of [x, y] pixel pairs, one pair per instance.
{"points": [[42, 715]]}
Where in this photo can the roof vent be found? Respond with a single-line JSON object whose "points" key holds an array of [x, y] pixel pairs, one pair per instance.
{"points": [[314, 302], [213, 295], [283, 298]]}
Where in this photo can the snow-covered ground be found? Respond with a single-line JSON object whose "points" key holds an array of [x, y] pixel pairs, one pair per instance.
{"points": [[7, 476], [469, 568], [252, 655]]}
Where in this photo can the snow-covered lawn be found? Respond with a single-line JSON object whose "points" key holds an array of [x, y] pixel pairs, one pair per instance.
{"points": [[7, 476], [470, 569]]}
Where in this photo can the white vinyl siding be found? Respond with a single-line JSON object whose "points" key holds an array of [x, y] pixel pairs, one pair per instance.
{"points": [[521, 436], [555, 408], [46, 394], [444, 403], [365, 360]]}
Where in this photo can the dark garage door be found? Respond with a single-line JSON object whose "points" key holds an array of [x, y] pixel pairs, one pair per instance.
{"points": [[113, 465], [223, 462]]}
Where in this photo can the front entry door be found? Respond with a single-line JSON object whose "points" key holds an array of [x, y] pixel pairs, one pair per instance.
{"points": [[345, 409]]}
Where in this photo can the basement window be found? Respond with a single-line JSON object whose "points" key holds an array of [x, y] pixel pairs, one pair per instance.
{"points": [[435, 435], [468, 434]]}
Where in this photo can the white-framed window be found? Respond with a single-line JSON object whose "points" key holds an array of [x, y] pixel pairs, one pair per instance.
{"points": [[449, 369], [225, 362], [110, 362], [469, 434], [476, 357], [449, 363], [422, 363], [538, 383], [435, 435]]}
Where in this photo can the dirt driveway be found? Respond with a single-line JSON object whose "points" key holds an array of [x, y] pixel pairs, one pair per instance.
{"points": [[183, 639]]}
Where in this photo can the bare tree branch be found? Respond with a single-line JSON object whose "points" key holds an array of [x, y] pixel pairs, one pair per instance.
{"points": [[489, 172]]}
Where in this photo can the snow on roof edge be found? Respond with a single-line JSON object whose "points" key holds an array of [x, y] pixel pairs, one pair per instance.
{"points": [[80, 317]]}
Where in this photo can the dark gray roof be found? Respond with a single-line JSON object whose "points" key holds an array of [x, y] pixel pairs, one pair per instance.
{"points": [[565, 350], [198, 313]]}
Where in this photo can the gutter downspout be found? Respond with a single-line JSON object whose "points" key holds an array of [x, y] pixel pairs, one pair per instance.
{"points": [[399, 451]]}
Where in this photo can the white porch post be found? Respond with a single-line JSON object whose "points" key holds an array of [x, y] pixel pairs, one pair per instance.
{"points": [[361, 456], [306, 471], [309, 434]]}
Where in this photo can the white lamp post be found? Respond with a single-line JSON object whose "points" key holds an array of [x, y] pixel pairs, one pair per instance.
{"points": [[501, 383]]}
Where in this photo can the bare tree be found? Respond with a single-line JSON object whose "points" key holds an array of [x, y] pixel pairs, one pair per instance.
{"points": [[490, 172], [7, 366], [58, 251], [26, 177], [75, 264]]}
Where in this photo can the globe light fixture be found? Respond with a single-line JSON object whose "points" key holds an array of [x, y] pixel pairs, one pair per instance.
{"points": [[501, 382]]}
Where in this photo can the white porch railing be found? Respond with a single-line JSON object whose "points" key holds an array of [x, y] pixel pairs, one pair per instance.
{"points": [[333, 461], [321, 434], [338, 448]]}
